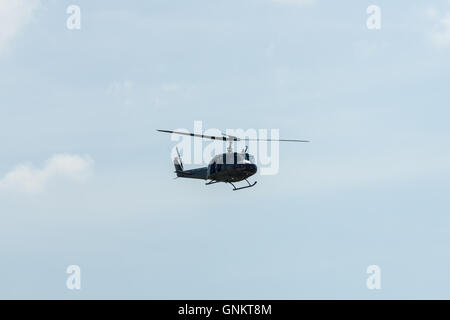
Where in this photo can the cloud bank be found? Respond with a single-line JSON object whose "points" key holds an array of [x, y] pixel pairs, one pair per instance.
{"points": [[441, 34], [63, 167], [14, 15]]}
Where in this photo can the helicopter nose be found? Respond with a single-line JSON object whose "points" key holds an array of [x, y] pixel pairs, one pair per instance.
{"points": [[252, 168]]}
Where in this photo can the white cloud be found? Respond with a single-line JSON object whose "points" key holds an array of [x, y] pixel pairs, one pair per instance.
{"points": [[26, 178], [120, 87], [295, 2], [431, 12], [121, 90], [14, 15], [441, 33]]}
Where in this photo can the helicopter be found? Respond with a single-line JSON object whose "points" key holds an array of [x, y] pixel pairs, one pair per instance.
{"points": [[229, 167]]}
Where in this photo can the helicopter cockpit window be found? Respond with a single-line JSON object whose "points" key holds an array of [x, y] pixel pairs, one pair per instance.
{"points": [[250, 158], [240, 158]]}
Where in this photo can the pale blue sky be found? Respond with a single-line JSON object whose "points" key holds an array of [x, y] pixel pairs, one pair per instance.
{"points": [[371, 188]]}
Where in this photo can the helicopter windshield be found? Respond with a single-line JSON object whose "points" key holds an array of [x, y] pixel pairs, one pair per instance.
{"points": [[250, 158]]}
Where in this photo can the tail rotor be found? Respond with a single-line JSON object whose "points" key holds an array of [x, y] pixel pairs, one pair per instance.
{"points": [[178, 163]]}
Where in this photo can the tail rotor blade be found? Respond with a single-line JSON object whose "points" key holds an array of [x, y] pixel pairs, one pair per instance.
{"points": [[180, 162]]}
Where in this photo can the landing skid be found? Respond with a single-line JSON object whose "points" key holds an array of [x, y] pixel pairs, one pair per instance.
{"points": [[249, 185], [234, 187]]}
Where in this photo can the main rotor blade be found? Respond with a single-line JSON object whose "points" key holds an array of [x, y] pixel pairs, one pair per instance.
{"points": [[227, 138], [283, 140]]}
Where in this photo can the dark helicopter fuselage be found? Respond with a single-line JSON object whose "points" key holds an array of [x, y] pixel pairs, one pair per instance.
{"points": [[226, 167]]}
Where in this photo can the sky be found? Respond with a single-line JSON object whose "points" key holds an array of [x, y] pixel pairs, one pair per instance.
{"points": [[86, 180]]}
